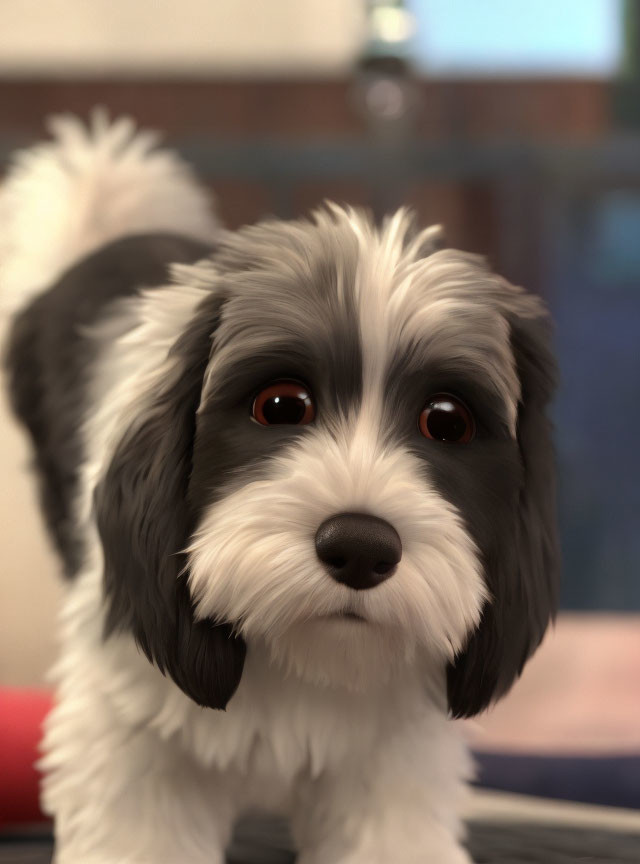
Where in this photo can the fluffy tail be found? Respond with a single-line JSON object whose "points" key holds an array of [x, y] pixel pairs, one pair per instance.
{"points": [[90, 184]]}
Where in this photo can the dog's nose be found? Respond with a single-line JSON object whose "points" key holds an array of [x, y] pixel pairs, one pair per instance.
{"points": [[358, 550]]}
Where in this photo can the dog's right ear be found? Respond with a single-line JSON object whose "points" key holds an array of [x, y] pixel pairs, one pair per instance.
{"points": [[145, 522]]}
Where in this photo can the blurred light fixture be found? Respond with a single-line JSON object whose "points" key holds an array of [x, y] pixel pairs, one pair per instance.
{"points": [[386, 99], [385, 92], [390, 23]]}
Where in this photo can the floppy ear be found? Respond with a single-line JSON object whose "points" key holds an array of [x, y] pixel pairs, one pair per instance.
{"points": [[523, 580], [145, 521]]}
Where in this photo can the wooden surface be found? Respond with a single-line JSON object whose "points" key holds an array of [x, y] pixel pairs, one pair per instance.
{"points": [[289, 108]]}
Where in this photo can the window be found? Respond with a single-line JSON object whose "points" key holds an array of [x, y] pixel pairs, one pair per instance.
{"points": [[518, 37]]}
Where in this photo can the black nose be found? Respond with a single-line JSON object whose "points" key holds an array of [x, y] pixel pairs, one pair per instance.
{"points": [[358, 550]]}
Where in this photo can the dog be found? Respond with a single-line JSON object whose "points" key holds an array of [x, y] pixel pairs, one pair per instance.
{"points": [[301, 480]]}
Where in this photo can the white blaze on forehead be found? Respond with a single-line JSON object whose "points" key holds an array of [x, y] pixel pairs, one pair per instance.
{"points": [[446, 308]]}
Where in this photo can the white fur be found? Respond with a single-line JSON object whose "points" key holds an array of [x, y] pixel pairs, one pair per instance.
{"points": [[403, 294], [89, 185], [339, 724]]}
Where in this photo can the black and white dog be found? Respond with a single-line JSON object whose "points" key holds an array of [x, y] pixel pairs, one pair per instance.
{"points": [[301, 480]]}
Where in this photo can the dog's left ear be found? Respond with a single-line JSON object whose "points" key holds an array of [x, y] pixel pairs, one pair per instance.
{"points": [[145, 522], [523, 581]]}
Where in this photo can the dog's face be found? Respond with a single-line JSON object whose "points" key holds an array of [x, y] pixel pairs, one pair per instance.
{"points": [[349, 447]]}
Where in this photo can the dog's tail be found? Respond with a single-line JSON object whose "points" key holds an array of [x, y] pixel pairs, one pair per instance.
{"points": [[88, 185]]}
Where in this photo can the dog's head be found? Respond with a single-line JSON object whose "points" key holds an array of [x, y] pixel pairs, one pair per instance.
{"points": [[345, 460]]}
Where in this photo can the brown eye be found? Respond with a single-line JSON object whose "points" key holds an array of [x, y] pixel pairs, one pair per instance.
{"points": [[445, 418], [284, 402]]}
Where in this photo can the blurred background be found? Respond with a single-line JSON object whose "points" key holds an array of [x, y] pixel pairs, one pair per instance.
{"points": [[517, 126]]}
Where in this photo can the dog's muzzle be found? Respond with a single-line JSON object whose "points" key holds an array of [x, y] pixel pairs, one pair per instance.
{"points": [[358, 550]]}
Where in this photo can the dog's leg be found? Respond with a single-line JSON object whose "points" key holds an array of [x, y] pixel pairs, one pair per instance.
{"points": [[124, 797], [120, 790], [398, 806]]}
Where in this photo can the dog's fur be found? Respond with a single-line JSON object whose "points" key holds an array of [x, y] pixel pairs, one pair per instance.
{"points": [[187, 529]]}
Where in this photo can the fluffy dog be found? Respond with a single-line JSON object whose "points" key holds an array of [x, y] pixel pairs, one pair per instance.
{"points": [[301, 480]]}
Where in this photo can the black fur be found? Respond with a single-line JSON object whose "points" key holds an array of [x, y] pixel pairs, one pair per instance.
{"points": [[229, 444], [522, 566], [145, 518], [49, 356]]}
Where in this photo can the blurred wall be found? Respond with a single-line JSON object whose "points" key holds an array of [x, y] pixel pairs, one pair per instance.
{"points": [[29, 585], [198, 37]]}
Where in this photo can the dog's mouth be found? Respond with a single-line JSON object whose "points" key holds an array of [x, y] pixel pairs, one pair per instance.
{"points": [[346, 616]]}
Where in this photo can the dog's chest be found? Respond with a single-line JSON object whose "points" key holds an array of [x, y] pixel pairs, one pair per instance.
{"points": [[279, 726]]}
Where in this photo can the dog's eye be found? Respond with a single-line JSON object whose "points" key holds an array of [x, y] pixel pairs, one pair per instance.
{"points": [[445, 418], [284, 402]]}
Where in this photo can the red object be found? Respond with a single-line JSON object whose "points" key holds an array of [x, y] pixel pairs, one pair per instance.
{"points": [[21, 714]]}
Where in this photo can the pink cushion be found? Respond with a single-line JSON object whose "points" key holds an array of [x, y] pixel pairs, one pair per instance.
{"points": [[21, 714]]}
